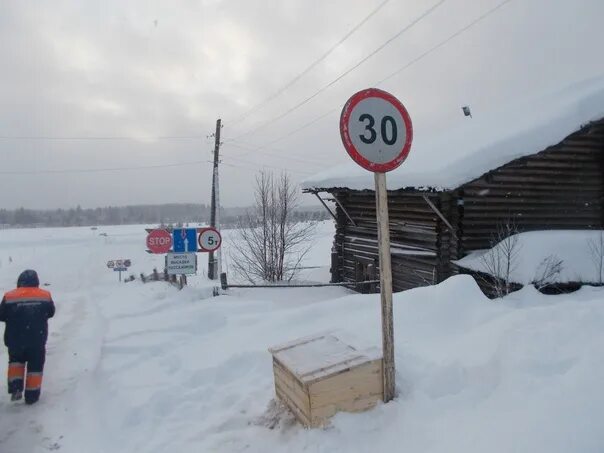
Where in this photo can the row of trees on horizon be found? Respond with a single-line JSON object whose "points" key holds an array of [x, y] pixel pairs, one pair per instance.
{"points": [[161, 214]]}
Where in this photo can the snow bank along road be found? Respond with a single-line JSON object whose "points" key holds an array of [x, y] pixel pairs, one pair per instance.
{"points": [[146, 368]]}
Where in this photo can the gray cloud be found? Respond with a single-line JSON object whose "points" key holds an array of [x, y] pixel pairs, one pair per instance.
{"points": [[155, 68]]}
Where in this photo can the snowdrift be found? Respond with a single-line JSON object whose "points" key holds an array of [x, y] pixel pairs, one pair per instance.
{"points": [[147, 368], [581, 254]]}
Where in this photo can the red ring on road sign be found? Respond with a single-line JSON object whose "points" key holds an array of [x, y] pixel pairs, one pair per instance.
{"points": [[203, 230], [351, 149]]}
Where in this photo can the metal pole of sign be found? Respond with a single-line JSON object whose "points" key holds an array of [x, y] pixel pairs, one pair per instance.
{"points": [[381, 198], [120, 272]]}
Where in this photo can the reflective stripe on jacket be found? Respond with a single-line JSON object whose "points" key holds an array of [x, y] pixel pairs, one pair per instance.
{"points": [[26, 311]]}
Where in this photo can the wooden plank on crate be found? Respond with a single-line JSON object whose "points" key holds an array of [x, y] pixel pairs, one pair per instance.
{"points": [[290, 385], [321, 416], [333, 369], [298, 342], [344, 388], [355, 391], [301, 416]]}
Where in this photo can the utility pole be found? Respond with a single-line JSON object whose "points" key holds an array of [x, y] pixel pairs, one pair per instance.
{"points": [[214, 264]]}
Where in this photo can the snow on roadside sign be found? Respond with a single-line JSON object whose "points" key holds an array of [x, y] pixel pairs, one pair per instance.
{"points": [[181, 263]]}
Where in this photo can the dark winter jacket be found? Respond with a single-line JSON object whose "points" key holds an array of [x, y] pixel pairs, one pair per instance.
{"points": [[25, 311]]}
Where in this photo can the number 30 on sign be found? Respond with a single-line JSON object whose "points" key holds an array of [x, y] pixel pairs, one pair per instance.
{"points": [[376, 130]]}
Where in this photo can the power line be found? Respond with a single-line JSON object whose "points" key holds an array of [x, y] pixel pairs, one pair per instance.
{"points": [[395, 73], [292, 132], [304, 126], [344, 74], [260, 165], [311, 66], [246, 164], [195, 137], [446, 41], [275, 153], [101, 170], [99, 138]]}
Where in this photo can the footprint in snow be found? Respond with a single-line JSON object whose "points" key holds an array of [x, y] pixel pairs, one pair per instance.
{"points": [[50, 445]]}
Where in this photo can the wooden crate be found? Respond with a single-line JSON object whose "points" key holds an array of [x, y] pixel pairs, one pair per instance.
{"points": [[320, 375]]}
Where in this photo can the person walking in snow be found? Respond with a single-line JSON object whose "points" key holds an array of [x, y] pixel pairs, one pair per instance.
{"points": [[26, 311]]}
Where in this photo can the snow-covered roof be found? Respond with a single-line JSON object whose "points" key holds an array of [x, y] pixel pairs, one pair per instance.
{"points": [[481, 144], [579, 253]]}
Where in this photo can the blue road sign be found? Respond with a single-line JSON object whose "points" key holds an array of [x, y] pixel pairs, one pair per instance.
{"points": [[185, 240]]}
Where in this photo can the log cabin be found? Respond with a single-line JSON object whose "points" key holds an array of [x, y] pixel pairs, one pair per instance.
{"points": [[539, 164]]}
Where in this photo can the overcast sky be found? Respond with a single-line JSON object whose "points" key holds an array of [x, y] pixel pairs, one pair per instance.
{"points": [[110, 84]]}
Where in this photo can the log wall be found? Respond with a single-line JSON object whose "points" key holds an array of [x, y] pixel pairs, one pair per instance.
{"points": [[414, 237], [561, 187]]}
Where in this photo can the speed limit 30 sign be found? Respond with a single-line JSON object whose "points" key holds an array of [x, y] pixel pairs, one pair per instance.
{"points": [[376, 130], [377, 133], [209, 239]]}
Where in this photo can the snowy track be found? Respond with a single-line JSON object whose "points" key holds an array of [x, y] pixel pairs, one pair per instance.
{"points": [[146, 368]]}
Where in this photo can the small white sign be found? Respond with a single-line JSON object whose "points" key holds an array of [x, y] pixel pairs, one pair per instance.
{"points": [[181, 263]]}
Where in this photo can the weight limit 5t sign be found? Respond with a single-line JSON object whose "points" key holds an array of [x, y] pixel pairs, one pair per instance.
{"points": [[209, 239], [376, 130]]}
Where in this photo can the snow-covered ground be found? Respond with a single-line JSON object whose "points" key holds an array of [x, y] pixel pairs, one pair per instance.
{"points": [[148, 368]]}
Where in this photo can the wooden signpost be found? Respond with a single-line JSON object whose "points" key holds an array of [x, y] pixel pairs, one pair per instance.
{"points": [[377, 133], [320, 375]]}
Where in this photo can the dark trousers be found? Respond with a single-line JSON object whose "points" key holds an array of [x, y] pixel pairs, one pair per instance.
{"points": [[20, 360]]}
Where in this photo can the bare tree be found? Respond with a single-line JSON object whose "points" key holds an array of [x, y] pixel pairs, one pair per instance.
{"points": [[502, 259], [547, 271], [271, 244], [596, 249]]}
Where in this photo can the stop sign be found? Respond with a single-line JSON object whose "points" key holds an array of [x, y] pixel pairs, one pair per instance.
{"points": [[159, 241]]}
